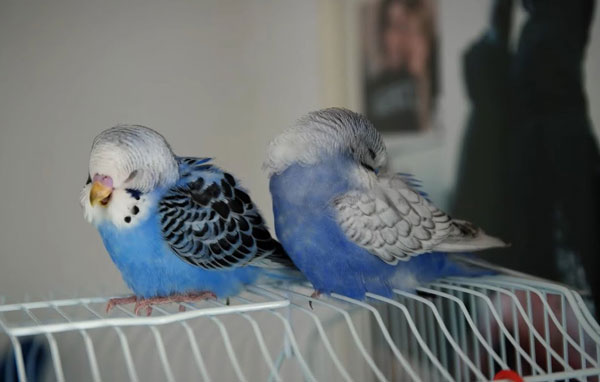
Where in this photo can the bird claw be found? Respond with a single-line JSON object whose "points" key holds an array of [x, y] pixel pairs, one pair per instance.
{"points": [[119, 301], [316, 294], [177, 298], [147, 303], [143, 303]]}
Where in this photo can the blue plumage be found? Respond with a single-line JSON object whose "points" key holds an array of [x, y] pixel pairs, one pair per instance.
{"points": [[178, 228], [305, 225], [350, 228], [178, 244], [150, 268]]}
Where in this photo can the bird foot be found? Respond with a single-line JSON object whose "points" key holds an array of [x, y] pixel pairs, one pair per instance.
{"points": [[119, 301], [315, 294], [147, 303]]}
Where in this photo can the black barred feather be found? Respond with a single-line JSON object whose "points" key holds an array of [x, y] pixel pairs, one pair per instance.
{"points": [[210, 222]]}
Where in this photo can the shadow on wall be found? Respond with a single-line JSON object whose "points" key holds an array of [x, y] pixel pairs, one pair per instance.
{"points": [[529, 169]]}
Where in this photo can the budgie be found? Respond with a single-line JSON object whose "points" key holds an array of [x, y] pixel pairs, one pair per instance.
{"points": [[351, 228], [179, 229]]}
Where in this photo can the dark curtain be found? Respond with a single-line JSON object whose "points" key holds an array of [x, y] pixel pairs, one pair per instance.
{"points": [[530, 169]]}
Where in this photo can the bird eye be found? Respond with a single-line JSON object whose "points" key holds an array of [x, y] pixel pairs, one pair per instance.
{"points": [[132, 175], [136, 194], [368, 167]]}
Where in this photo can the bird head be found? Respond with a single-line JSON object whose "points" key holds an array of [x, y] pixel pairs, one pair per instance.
{"points": [[323, 133], [125, 161]]}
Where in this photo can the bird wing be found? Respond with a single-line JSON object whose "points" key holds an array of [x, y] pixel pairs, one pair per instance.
{"points": [[209, 221], [394, 222]]}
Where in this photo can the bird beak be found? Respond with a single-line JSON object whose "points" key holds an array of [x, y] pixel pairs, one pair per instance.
{"points": [[100, 193]]}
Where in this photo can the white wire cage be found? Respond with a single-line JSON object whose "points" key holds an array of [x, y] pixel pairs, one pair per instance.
{"points": [[456, 329]]}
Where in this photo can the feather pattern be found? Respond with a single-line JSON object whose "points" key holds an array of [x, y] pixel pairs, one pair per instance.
{"points": [[394, 222], [209, 221]]}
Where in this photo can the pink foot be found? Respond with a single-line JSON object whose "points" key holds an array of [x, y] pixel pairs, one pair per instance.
{"points": [[119, 301], [177, 298]]}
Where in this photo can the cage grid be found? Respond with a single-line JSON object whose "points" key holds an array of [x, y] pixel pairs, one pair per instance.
{"points": [[456, 329]]}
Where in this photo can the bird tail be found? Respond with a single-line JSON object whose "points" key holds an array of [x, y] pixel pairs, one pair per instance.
{"points": [[468, 265], [281, 257], [426, 268], [279, 266], [474, 264], [285, 275], [466, 237]]}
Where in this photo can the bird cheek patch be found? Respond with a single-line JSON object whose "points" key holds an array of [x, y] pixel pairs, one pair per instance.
{"points": [[126, 210], [134, 211]]}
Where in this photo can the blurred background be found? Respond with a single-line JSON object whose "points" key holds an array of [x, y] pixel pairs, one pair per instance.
{"points": [[493, 105]]}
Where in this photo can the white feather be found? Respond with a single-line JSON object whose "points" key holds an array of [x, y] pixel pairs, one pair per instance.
{"points": [[134, 157], [324, 133], [120, 150], [120, 206]]}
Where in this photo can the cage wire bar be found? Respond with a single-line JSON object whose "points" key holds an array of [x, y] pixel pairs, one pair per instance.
{"points": [[456, 329]]}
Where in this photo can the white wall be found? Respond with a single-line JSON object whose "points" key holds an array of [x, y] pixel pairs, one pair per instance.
{"points": [[217, 78]]}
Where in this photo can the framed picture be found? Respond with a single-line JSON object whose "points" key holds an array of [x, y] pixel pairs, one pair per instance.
{"points": [[399, 57]]}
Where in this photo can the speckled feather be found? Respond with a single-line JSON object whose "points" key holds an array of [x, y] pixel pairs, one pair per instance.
{"points": [[209, 221]]}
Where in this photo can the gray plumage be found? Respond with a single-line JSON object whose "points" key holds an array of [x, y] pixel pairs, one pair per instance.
{"points": [[323, 133], [136, 155], [396, 222]]}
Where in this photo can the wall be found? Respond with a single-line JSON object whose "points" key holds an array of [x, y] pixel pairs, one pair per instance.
{"points": [[217, 78]]}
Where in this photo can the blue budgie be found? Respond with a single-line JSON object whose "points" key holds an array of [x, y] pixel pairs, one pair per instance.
{"points": [[350, 228], [179, 229]]}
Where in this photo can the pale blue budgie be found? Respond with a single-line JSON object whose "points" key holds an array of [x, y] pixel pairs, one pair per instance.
{"points": [[178, 228], [349, 228]]}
